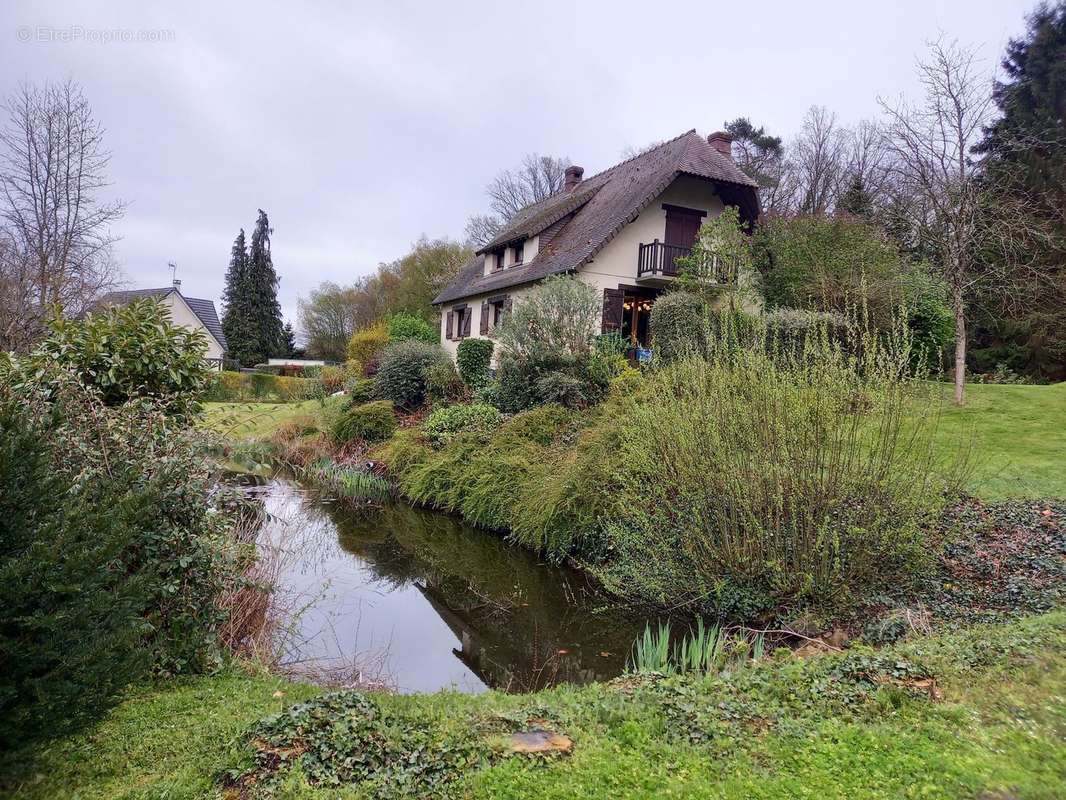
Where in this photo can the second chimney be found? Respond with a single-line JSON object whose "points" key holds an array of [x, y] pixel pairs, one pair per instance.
{"points": [[573, 177], [722, 142]]}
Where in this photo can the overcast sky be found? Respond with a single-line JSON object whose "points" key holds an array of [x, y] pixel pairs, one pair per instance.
{"points": [[360, 127]]}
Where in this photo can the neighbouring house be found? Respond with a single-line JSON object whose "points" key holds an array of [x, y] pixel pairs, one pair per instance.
{"points": [[621, 230], [189, 312]]}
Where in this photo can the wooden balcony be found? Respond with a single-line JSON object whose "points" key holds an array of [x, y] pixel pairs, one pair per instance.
{"points": [[659, 260]]}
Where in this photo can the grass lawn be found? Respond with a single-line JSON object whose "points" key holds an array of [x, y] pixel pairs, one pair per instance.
{"points": [[257, 420], [1017, 439], [819, 728]]}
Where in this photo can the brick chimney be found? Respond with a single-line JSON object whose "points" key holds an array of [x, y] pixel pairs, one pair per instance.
{"points": [[573, 177], [722, 142]]}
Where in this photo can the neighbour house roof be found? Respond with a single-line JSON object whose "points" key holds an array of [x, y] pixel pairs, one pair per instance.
{"points": [[595, 210], [203, 309]]}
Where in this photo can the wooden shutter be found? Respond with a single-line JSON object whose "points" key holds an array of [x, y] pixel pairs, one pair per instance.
{"points": [[450, 328], [467, 314], [682, 225], [612, 310], [485, 311]]}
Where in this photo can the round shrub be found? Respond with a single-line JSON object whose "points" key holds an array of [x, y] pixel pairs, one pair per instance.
{"points": [[678, 326], [366, 345], [360, 390], [444, 423], [402, 371], [372, 422], [473, 357], [411, 326]]}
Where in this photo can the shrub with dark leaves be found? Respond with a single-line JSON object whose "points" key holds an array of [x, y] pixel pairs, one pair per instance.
{"points": [[403, 369]]}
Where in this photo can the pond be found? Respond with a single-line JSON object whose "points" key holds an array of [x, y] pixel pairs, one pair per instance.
{"points": [[428, 602]]}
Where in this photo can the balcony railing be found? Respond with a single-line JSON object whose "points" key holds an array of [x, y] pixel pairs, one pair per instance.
{"points": [[659, 258]]}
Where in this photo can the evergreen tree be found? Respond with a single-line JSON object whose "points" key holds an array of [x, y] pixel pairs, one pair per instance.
{"points": [[1026, 149], [236, 316], [856, 200], [263, 293], [290, 340]]}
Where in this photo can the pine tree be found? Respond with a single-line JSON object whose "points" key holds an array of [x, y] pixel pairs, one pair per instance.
{"points": [[262, 286], [290, 340], [236, 318]]}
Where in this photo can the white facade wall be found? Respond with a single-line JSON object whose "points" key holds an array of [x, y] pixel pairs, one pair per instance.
{"points": [[181, 314]]}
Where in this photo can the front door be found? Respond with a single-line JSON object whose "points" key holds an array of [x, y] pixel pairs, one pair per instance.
{"points": [[636, 316]]}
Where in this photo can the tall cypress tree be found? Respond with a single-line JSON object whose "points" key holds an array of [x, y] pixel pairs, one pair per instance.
{"points": [[290, 340], [236, 317], [264, 310]]}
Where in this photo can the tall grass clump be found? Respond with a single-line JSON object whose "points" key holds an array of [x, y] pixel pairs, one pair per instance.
{"points": [[773, 471], [703, 650]]}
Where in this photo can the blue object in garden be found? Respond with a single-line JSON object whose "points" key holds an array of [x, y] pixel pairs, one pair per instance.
{"points": [[643, 355]]}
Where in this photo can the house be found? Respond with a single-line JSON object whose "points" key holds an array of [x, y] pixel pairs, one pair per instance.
{"points": [[189, 312], [620, 231]]}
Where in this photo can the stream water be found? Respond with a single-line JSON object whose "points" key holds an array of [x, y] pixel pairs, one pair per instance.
{"points": [[429, 603]]}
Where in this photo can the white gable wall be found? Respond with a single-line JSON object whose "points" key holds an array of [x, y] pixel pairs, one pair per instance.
{"points": [[181, 314]]}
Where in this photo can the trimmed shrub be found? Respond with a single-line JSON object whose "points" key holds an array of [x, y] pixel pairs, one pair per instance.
{"points": [[679, 326], [444, 385], [371, 422], [523, 383], [360, 390], [410, 326], [445, 423], [473, 358], [402, 373], [366, 345]]}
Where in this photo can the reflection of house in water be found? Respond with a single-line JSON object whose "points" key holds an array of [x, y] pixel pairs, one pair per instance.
{"points": [[516, 654]]}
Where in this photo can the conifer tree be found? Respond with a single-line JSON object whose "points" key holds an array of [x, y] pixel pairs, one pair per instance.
{"points": [[262, 281], [236, 317], [290, 340]]}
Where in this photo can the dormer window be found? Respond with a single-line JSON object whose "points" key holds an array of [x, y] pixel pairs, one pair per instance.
{"points": [[499, 258], [518, 248]]}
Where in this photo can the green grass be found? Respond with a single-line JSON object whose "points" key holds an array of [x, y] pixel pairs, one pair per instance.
{"points": [[258, 420], [1017, 439], [772, 730]]}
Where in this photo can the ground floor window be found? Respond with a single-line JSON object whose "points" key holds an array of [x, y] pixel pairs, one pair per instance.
{"points": [[636, 317]]}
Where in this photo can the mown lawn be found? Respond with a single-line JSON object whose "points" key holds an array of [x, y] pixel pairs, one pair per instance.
{"points": [[258, 420], [994, 729], [1016, 437]]}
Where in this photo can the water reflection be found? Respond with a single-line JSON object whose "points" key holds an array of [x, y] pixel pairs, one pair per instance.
{"points": [[441, 604]]}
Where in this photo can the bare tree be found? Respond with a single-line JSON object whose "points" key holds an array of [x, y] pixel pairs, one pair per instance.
{"points": [[816, 161], [536, 178], [932, 143], [53, 170]]}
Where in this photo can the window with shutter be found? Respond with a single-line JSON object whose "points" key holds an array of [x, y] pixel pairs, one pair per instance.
{"points": [[484, 323], [449, 328], [612, 310], [467, 314]]}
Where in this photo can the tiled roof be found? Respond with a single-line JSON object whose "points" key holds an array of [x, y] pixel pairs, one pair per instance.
{"points": [[203, 309], [600, 206]]}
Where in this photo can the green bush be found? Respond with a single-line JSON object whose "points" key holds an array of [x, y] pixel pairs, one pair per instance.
{"points": [[443, 384], [444, 423], [127, 352], [115, 553], [360, 390], [410, 326], [757, 471], [679, 326], [474, 357], [366, 345], [523, 383], [557, 319], [403, 369], [372, 422]]}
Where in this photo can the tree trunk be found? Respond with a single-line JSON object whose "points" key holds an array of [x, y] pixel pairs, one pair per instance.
{"points": [[960, 348]]}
